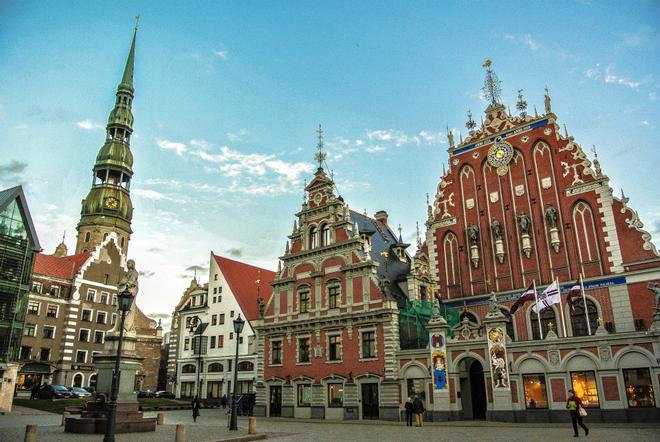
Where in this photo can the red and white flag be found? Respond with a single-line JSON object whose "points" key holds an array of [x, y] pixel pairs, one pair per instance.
{"points": [[549, 296], [525, 296], [573, 294]]}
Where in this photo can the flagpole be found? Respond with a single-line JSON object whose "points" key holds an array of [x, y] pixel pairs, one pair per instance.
{"points": [[584, 303], [538, 311], [561, 309]]}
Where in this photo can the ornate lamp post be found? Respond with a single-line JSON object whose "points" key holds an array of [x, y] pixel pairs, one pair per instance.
{"points": [[238, 328], [125, 302]]}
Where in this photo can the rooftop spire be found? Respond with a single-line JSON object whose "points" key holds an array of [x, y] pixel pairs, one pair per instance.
{"points": [[127, 78], [491, 89], [320, 156]]}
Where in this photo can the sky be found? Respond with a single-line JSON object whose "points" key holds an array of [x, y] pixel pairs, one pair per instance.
{"points": [[228, 96]]}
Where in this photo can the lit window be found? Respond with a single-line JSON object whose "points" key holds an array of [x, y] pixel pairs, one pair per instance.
{"points": [[304, 395], [639, 388], [335, 395], [51, 311], [536, 394], [584, 386]]}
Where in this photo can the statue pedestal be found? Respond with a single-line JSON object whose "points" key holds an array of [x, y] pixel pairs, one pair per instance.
{"points": [[129, 417]]}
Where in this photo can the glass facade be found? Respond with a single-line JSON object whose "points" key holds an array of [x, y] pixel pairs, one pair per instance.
{"points": [[536, 393], [639, 388], [584, 385]]}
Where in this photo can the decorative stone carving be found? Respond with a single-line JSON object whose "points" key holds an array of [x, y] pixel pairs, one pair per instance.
{"points": [[519, 190], [473, 237], [635, 223], [605, 353], [469, 203], [554, 357]]}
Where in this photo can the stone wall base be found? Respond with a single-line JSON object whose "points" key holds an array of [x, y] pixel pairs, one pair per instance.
{"points": [[259, 411], [287, 411], [388, 413], [94, 419]]}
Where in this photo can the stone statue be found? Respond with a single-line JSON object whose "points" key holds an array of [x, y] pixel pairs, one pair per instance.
{"points": [[523, 220], [261, 305], [551, 216], [437, 305], [129, 282], [450, 136], [493, 307], [495, 228], [655, 288], [473, 233], [548, 106]]}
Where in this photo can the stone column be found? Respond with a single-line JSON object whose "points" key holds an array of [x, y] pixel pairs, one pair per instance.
{"points": [[499, 368], [440, 409]]}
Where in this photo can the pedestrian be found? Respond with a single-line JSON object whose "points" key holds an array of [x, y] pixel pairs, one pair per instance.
{"points": [[574, 406], [196, 405], [224, 401], [409, 412], [418, 409], [34, 390]]}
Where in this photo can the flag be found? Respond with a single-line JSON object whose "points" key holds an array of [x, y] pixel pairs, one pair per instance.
{"points": [[550, 295], [525, 296], [574, 293]]}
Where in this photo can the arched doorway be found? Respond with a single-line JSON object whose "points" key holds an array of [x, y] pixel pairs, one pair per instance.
{"points": [[77, 380], [473, 389]]}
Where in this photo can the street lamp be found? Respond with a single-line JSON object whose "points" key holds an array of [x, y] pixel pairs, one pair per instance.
{"points": [[125, 302], [238, 328]]}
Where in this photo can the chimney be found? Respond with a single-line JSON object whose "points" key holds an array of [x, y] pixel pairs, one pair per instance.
{"points": [[381, 216]]}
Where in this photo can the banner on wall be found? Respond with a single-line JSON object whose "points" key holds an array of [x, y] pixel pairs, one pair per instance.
{"points": [[498, 358], [438, 360]]}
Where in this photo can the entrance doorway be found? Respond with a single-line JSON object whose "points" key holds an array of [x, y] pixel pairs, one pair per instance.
{"points": [[370, 401], [275, 401], [473, 389]]}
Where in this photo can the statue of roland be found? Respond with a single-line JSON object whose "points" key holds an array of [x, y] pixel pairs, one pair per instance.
{"points": [[129, 281]]}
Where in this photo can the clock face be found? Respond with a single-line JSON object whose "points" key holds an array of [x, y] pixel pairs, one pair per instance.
{"points": [[500, 154], [317, 198], [111, 203]]}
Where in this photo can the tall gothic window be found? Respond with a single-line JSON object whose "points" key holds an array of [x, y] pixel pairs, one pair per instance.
{"points": [[587, 237], [313, 240], [450, 252], [579, 319], [547, 316], [325, 235]]}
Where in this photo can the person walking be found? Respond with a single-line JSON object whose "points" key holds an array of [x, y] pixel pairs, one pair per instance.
{"points": [[196, 405], [418, 409], [574, 406], [224, 401], [409, 412]]}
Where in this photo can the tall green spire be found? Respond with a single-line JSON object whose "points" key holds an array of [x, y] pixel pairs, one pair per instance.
{"points": [[108, 207]]}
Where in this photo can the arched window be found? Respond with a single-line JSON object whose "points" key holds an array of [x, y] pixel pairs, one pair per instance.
{"points": [[88, 235], [216, 367], [188, 368], [313, 240], [587, 237], [547, 316], [451, 260], [78, 380], [92, 382], [510, 327], [246, 366], [325, 235], [579, 319]]}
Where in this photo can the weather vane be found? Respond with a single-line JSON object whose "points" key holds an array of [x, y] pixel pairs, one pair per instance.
{"points": [[491, 87], [320, 156], [137, 20]]}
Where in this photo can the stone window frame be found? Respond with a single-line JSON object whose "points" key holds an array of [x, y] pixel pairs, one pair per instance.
{"points": [[309, 353], [298, 393], [91, 292], [307, 290], [105, 316], [89, 334], [34, 329], [57, 310], [31, 311], [54, 328], [328, 336], [84, 361], [270, 352], [37, 287], [82, 312], [361, 331], [332, 284], [327, 392], [102, 336], [107, 296]]}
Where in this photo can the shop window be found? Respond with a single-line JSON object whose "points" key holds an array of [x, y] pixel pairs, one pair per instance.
{"points": [[303, 350], [547, 317], [579, 319], [334, 293], [584, 386], [245, 387], [335, 395], [214, 389], [334, 348], [304, 395], [187, 389], [639, 388], [536, 393], [276, 352], [368, 344]]}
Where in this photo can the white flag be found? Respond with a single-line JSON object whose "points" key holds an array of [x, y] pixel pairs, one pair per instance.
{"points": [[550, 295]]}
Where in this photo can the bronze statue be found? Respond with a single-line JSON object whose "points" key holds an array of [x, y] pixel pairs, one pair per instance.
{"points": [[551, 216], [495, 229], [261, 305], [523, 220], [473, 233], [655, 288]]}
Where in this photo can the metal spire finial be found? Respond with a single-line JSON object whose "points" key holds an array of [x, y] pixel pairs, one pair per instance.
{"points": [[470, 124], [593, 149], [320, 156], [491, 89], [521, 105], [63, 237], [137, 20]]}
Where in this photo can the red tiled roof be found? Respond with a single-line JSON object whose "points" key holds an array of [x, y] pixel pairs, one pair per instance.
{"points": [[65, 267], [242, 279]]}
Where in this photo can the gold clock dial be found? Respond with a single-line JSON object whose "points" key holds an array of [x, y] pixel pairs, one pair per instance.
{"points": [[500, 154], [111, 203]]}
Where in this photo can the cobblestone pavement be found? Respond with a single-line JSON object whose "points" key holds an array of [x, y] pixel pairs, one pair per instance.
{"points": [[212, 426]]}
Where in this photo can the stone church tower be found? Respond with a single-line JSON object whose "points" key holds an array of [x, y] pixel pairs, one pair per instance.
{"points": [[107, 207]]}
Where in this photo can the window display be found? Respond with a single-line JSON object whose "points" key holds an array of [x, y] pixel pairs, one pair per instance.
{"points": [[536, 394], [639, 388], [584, 385], [335, 395], [304, 395]]}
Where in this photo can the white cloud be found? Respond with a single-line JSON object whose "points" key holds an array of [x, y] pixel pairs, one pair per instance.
{"points": [[645, 123], [179, 148], [202, 144], [594, 72], [22, 126], [526, 40], [150, 194], [375, 149], [221, 54], [432, 137], [237, 136], [88, 124], [611, 78], [392, 135]]}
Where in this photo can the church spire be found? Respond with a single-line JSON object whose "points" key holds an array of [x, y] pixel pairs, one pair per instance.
{"points": [[108, 207]]}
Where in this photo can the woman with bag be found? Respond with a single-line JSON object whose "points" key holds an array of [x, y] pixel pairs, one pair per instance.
{"points": [[574, 406]]}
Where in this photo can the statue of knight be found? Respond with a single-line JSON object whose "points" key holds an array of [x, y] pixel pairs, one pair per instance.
{"points": [[128, 281], [655, 288]]}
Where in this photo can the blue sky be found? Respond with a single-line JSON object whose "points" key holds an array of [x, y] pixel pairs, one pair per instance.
{"points": [[229, 94]]}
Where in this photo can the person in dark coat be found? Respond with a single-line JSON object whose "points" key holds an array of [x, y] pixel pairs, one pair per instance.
{"points": [[409, 412], [33, 392], [573, 404], [196, 405], [223, 401], [418, 409]]}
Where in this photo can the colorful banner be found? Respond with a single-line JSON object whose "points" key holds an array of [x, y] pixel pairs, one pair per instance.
{"points": [[438, 360], [498, 359]]}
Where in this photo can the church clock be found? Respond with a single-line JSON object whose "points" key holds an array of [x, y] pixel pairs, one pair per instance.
{"points": [[111, 203], [499, 156]]}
